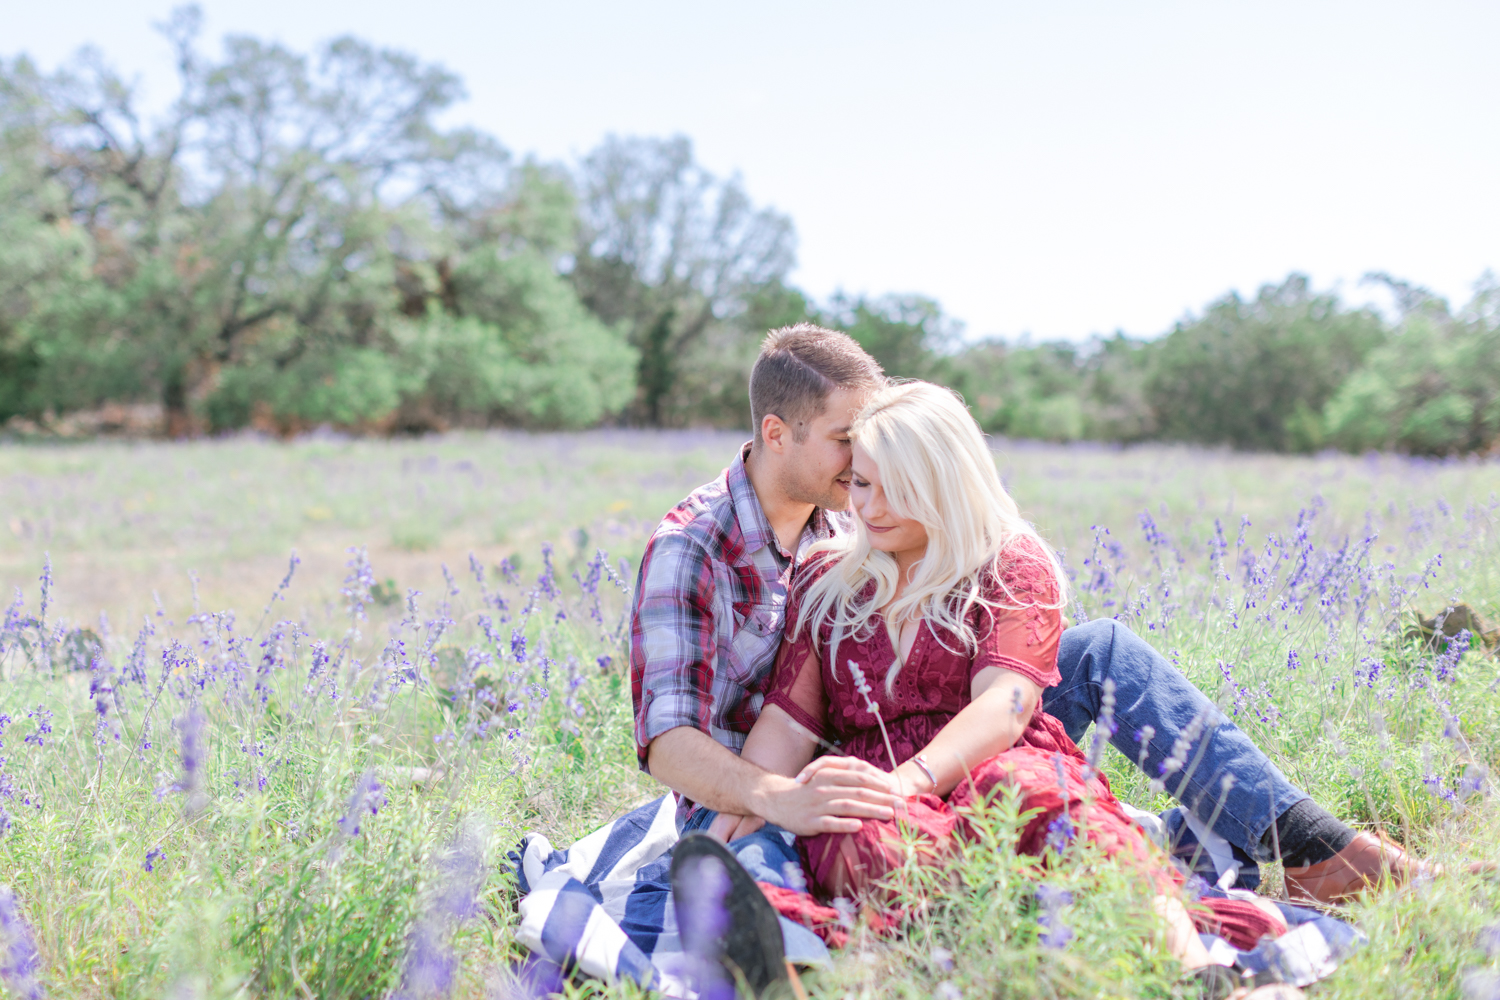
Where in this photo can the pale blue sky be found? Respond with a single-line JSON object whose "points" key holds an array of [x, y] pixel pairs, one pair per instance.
{"points": [[1058, 169]]}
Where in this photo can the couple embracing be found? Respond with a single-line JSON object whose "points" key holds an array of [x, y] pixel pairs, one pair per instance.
{"points": [[852, 634]]}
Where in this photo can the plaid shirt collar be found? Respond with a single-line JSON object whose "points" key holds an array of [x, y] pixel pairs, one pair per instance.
{"points": [[754, 527]]}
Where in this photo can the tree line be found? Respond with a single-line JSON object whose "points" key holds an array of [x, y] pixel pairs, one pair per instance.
{"points": [[298, 240]]}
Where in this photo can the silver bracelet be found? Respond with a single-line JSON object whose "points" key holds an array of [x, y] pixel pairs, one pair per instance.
{"points": [[921, 762]]}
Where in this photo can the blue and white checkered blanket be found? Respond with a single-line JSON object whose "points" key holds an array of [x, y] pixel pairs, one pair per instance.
{"points": [[603, 907]]}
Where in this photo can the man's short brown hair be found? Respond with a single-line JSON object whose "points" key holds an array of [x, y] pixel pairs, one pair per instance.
{"points": [[797, 369]]}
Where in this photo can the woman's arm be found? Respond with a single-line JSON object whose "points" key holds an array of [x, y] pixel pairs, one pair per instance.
{"points": [[1002, 706], [777, 743]]}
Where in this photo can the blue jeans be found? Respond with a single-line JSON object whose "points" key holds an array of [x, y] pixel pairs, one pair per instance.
{"points": [[768, 855], [1149, 691]]}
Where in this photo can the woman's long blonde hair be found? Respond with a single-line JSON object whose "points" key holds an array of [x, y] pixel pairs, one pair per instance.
{"points": [[935, 468]]}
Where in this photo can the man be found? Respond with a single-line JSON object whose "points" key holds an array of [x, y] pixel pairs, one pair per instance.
{"points": [[709, 616]]}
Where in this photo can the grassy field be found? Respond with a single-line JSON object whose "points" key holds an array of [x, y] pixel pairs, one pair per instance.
{"points": [[287, 798]]}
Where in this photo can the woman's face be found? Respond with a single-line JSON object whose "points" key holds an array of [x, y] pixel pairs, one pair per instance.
{"points": [[887, 531]]}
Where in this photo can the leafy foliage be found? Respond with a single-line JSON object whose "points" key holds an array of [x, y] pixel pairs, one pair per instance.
{"points": [[672, 253], [1257, 374], [1434, 388], [298, 242], [251, 258]]}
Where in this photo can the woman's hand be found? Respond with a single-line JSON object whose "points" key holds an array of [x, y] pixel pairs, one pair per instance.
{"points": [[870, 772], [831, 795]]}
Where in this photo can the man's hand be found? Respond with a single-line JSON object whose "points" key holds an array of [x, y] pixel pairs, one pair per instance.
{"points": [[830, 795], [837, 795], [730, 827]]}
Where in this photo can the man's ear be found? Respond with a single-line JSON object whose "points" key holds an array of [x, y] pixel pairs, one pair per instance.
{"points": [[775, 433]]}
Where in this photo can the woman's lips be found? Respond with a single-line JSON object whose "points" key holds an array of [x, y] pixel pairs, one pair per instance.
{"points": [[877, 529]]}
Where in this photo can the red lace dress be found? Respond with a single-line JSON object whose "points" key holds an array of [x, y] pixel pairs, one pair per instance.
{"points": [[930, 689]]}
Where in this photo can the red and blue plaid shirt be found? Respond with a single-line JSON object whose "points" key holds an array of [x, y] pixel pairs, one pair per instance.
{"points": [[708, 612]]}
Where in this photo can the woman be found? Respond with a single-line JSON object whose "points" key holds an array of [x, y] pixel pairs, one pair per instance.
{"points": [[921, 644]]}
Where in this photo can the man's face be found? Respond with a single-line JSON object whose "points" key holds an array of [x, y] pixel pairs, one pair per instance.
{"points": [[817, 469]]}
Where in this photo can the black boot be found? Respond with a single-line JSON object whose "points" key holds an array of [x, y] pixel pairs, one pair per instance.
{"points": [[724, 918]]}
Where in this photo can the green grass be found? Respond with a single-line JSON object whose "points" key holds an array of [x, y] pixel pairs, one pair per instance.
{"points": [[263, 891]]}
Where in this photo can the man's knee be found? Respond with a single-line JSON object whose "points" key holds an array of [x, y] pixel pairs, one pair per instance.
{"points": [[1090, 640], [1095, 632]]}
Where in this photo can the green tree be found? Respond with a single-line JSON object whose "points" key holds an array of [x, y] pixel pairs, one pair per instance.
{"points": [[1256, 374], [1434, 388], [41, 250], [675, 256], [907, 334], [1058, 391], [261, 252]]}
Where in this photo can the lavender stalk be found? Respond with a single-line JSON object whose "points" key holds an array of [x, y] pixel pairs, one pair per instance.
{"points": [[863, 687]]}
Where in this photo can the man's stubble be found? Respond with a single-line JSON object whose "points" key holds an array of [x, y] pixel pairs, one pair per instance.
{"points": [[801, 487]]}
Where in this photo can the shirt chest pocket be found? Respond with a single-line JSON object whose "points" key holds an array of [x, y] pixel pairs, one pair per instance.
{"points": [[757, 634]]}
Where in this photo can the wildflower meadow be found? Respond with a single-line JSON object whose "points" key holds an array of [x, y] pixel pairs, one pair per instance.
{"points": [[273, 715]]}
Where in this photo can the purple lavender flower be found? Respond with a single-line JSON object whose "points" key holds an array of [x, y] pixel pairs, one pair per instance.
{"points": [[1180, 748], [1143, 740], [1052, 900], [547, 582], [1060, 832], [46, 580], [19, 961], [1105, 726], [1488, 941], [152, 857], [1057, 935], [193, 751], [704, 919], [279, 594], [1480, 984], [530, 978], [368, 794], [1447, 662], [358, 584], [863, 687], [451, 899]]}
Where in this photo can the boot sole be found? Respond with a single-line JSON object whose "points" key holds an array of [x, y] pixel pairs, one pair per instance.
{"points": [[754, 952]]}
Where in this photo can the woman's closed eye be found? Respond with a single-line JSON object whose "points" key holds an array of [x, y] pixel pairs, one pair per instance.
{"points": [[856, 481]]}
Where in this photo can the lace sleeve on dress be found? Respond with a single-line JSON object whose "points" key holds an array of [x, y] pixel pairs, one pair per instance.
{"points": [[797, 685], [797, 679], [1024, 640]]}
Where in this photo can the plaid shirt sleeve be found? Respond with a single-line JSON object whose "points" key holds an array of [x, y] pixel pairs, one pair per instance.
{"points": [[672, 639]]}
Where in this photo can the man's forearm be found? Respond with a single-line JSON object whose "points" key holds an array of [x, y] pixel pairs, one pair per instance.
{"points": [[835, 800], [694, 764]]}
